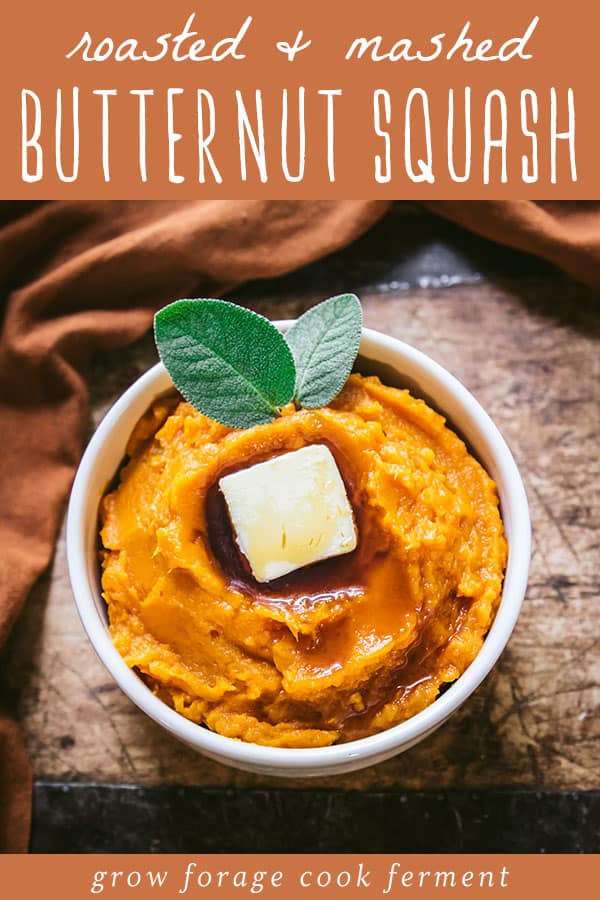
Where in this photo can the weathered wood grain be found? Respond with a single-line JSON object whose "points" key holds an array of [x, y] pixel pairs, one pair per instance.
{"points": [[528, 350]]}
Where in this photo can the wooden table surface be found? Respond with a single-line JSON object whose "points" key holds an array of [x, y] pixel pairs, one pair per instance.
{"points": [[523, 339]]}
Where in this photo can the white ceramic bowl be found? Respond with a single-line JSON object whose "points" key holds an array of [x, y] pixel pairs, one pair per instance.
{"points": [[400, 363]]}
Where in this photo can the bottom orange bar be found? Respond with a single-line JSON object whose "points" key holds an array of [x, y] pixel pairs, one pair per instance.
{"points": [[226, 876]]}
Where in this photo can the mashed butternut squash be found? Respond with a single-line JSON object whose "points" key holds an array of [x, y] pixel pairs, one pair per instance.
{"points": [[337, 651]]}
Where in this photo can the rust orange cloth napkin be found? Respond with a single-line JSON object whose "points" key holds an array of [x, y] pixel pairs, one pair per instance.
{"points": [[76, 277]]}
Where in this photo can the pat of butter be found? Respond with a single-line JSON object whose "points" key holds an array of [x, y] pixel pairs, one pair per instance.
{"points": [[290, 511]]}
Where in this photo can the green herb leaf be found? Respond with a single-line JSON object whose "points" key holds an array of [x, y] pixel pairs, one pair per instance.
{"points": [[230, 363], [325, 342]]}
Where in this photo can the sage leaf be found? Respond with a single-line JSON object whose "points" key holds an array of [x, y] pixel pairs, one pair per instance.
{"points": [[324, 342], [230, 363]]}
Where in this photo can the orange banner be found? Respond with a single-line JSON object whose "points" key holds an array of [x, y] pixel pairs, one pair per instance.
{"points": [[261, 99], [229, 876]]}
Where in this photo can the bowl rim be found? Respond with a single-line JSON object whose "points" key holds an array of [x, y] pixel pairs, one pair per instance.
{"points": [[294, 760]]}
